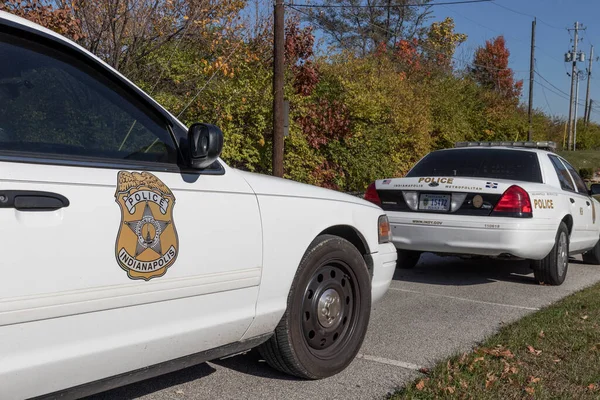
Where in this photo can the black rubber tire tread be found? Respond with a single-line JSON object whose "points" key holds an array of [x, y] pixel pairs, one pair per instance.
{"points": [[545, 271], [592, 256], [279, 350], [407, 259]]}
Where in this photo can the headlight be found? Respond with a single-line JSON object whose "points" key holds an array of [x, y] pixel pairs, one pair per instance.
{"points": [[385, 231]]}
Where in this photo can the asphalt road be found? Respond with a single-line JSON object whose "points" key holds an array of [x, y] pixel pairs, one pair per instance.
{"points": [[443, 306]]}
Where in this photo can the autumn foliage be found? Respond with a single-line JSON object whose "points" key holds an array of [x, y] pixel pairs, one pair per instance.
{"points": [[357, 113], [490, 69]]}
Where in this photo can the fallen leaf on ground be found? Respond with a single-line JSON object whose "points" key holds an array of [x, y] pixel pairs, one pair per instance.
{"points": [[420, 385], [491, 378], [557, 360], [530, 390], [592, 386], [534, 351], [533, 380], [478, 359], [584, 317], [542, 334], [424, 370], [449, 389], [464, 383], [499, 351]]}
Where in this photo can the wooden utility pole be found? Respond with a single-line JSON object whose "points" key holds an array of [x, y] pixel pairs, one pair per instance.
{"points": [[531, 68], [572, 57], [278, 76], [587, 111]]}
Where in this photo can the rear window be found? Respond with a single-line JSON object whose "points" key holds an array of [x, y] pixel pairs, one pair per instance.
{"points": [[480, 163]]}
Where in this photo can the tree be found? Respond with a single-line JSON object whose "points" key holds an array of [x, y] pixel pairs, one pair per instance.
{"points": [[490, 69], [361, 26], [60, 19], [440, 43]]}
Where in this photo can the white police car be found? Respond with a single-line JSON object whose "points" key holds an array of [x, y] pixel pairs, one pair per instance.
{"points": [[515, 200], [129, 249]]}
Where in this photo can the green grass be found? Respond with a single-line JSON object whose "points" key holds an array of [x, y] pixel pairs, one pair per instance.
{"points": [[551, 354], [582, 159]]}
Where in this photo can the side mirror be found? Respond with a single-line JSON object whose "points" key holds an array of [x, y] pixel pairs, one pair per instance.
{"points": [[205, 145], [595, 189]]}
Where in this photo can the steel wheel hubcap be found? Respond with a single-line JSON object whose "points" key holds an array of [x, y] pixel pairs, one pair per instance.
{"points": [[329, 309], [562, 256]]}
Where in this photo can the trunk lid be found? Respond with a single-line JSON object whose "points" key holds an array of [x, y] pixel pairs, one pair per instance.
{"points": [[441, 194]]}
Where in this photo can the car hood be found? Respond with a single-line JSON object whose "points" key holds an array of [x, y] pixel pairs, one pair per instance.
{"points": [[273, 186]]}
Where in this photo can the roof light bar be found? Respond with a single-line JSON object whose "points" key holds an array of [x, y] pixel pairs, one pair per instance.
{"points": [[545, 145]]}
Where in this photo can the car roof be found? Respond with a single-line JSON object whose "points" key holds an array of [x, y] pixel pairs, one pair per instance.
{"points": [[476, 148]]}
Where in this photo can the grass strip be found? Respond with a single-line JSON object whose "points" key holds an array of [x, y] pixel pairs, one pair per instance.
{"points": [[551, 354]]}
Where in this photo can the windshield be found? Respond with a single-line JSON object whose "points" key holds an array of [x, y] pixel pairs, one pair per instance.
{"points": [[480, 163]]}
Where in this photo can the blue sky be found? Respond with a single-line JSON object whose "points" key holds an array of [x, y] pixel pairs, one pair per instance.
{"points": [[482, 21]]}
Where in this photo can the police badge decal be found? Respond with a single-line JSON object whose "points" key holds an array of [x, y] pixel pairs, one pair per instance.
{"points": [[147, 243]]}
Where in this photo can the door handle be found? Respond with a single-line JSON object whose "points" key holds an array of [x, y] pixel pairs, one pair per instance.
{"points": [[587, 202], [29, 200], [572, 200]]}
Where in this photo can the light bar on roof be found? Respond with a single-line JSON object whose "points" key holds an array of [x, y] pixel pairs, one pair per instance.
{"points": [[546, 145]]}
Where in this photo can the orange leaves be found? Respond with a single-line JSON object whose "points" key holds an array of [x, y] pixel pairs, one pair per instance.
{"points": [[533, 351], [530, 390], [498, 351], [491, 69], [420, 385]]}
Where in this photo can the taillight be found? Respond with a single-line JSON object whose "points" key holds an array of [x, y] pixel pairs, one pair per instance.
{"points": [[385, 231], [372, 195], [514, 202]]}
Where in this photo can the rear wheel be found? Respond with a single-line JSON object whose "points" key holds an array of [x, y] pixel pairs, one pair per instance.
{"points": [[407, 259], [552, 270], [592, 256], [327, 313]]}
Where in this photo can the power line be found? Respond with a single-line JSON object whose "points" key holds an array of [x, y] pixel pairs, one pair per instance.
{"points": [[545, 97], [387, 6], [550, 83], [544, 52], [528, 15]]}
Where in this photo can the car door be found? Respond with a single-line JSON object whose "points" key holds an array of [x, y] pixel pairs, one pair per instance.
{"points": [[589, 212], [115, 256], [577, 204]]}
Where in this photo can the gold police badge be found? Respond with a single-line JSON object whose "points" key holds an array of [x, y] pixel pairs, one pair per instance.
{"points": [[147, 242]]}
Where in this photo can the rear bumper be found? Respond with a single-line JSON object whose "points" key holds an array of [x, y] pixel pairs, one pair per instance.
{"points": [[486, 236], [384, 265]]}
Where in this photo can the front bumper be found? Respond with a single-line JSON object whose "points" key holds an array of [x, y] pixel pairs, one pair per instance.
{"points": [[486, 236], [384, 265]]}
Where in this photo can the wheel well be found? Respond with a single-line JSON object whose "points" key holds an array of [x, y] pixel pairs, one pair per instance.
{"points": [[351, 235], [568, 220]]}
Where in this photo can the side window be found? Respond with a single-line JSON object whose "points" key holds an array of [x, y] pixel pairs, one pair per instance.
{"points": [[563, 175], [581, 187], [56, 106]]}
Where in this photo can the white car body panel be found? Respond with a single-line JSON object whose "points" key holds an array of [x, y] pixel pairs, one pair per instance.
{"points": [[69, 314], [530, 238]]}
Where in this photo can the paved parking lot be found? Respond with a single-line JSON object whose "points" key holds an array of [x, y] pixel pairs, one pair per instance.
{"points": [[443, 306]]}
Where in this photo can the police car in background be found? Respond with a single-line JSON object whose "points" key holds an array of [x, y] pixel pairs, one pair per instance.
{"points": [[515, 200]]}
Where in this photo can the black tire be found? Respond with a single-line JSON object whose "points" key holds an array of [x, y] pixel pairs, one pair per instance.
{"points": [[592, 256], [552, 270], [314, 344], [407, 259]]}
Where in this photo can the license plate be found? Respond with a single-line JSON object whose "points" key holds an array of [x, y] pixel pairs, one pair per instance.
{"points": [[434, 202]]}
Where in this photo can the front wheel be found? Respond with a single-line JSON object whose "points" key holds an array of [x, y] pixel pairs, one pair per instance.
{"points": [[327, 313], [407, 259], [552, 270]]}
